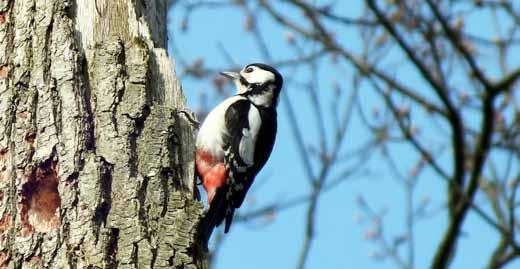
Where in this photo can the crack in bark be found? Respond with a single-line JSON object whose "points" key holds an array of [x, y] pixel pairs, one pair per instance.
{"points": [[56, 106], [48, 44], [84, 82], [135, 254], [141, 196], [111, 248], [165, 176], [103, 208], [154, 257], [133, 136]]}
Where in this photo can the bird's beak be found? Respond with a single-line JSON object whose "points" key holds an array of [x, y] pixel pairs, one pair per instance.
{"points": [[231, 75]]}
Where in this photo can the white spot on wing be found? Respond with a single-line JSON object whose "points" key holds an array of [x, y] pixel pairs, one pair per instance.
{"points": [[246, 148]]}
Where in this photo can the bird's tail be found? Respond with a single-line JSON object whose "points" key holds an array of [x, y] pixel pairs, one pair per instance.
{"points": [[217, 212]]}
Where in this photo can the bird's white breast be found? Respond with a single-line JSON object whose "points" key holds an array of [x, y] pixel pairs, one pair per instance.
{"points": [[213, 129]]}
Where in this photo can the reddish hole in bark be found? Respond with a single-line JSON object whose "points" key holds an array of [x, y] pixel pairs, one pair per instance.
{"points": [[30, 137], [4, 259], [4, 164], [23, 115], [3, 154], [5, 223], [2, 17], [33, 262], [4, 72], [40, 200]]}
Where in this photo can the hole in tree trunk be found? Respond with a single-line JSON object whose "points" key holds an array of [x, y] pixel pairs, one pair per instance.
{"points": [[4, 164], [4, 70], [4, 258], [40, 200], [5, 223], [30, 137]]}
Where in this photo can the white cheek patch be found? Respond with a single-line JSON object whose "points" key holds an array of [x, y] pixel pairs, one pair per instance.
{"points": [[258, 76], [246, 148], [262, 99]]}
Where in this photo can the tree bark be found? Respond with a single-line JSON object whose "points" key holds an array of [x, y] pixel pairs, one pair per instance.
{"points": [[96, 154]]}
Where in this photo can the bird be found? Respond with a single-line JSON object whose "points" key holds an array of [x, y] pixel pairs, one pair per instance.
{"points": [[235, 141]]}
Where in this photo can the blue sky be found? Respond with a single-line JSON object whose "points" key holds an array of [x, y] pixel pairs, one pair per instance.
{"points": [[339, 239]]}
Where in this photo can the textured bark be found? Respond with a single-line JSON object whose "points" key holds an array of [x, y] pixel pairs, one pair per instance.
{"points": [[96, 158]]}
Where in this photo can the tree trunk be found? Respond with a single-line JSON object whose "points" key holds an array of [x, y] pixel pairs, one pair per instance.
{"points": [[96, 152]]}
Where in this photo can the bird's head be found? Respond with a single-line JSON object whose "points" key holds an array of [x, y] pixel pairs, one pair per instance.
{"points": [[259, 82]]}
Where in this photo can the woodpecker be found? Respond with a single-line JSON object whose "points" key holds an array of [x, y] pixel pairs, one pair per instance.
{"points": [[236, 139]]}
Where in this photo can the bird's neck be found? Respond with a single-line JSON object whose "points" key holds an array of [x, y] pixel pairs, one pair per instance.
{"points": [[261, 96]]}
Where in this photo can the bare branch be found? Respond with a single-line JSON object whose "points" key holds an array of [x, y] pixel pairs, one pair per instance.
{"points": [[458, 43]]}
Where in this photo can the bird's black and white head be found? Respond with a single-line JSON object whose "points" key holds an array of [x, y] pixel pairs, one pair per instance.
{"points": [[259, 82]]}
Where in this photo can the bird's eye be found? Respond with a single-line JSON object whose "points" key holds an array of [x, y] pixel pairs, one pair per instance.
{"points": [[249, 70]]}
